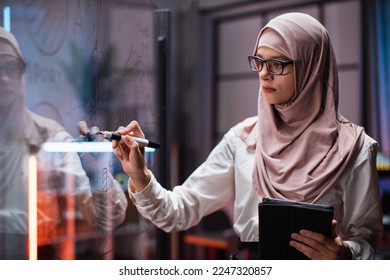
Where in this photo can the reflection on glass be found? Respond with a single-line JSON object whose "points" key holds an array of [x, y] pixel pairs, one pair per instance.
{"points": [[101, 201], [81, 208]]}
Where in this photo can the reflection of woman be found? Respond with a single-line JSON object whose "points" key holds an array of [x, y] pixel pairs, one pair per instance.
{"points": [[22, 133], [298, 148]]}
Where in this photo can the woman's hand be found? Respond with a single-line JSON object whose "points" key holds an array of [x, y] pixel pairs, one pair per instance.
{"points": [[132, 156], [317, 246]]}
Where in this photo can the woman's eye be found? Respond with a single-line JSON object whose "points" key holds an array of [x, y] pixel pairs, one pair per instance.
{"points": [[277, 64]]}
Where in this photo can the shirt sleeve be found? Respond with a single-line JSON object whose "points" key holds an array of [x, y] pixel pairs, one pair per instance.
{"points": [[109, 208], [207, 189], [362, 206], [105, 209]]}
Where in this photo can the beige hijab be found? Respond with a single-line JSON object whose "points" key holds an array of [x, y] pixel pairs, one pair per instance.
{"points": [[21, 133], [303, 147]]}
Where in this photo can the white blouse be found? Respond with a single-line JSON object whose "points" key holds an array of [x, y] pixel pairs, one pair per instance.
{"points": [[226, 176]]}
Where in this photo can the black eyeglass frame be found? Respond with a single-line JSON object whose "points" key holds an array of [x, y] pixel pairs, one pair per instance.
{"points": [[265, 61], [19, 64]]}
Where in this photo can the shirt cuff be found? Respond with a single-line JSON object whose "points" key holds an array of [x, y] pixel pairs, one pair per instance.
{"points": [[144, 193], [355, 250]]}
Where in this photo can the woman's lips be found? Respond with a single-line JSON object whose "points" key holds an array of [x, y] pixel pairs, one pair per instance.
{"points": [[267, 89]]}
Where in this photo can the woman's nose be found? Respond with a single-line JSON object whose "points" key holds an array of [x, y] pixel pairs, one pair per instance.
{"points": [[264, 74]]}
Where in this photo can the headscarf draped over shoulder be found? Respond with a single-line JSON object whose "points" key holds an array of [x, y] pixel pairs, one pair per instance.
{"points": [[303, 147]]}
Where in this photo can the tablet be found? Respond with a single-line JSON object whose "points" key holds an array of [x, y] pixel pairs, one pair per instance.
{"points": [[278, 219]]}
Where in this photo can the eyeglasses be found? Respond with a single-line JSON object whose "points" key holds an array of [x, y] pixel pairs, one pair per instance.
{"points": [[14, 69], [274, 66]]}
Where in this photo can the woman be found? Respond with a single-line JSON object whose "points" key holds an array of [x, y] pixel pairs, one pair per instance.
{"points": [[23, 133], [298, 147]]}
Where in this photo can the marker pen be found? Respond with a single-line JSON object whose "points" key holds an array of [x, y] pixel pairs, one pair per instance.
{"points": [[111, 135]]}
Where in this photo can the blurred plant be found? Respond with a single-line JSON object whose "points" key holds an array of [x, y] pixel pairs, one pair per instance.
{"points": [[95, 80]]}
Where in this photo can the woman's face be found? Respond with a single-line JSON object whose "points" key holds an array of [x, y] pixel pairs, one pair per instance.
{"points": [[276, 89], [11, 75]]}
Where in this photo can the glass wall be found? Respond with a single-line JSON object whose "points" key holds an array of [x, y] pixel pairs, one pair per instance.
{"points": [[63, 196]]}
